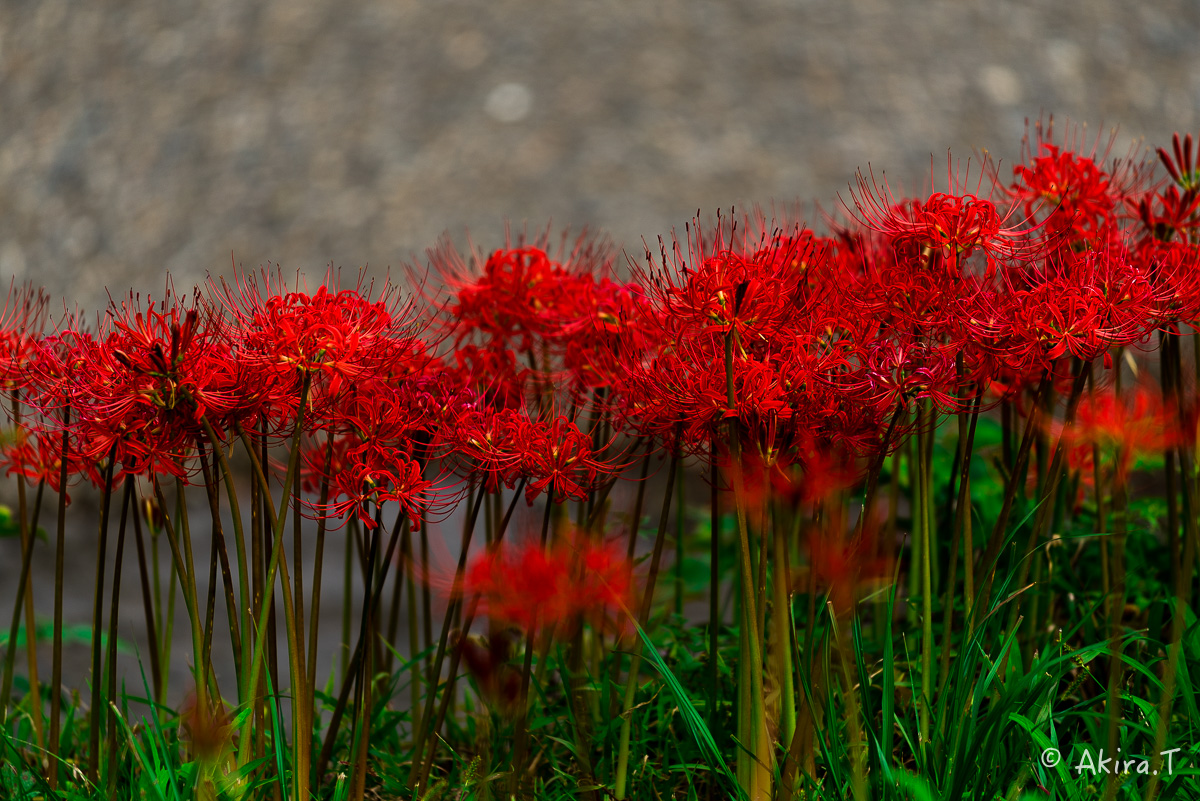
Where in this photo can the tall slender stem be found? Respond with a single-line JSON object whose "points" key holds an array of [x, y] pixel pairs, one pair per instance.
{"points": [[113, 614], [10, 654], [631, 684], [60, 546]]}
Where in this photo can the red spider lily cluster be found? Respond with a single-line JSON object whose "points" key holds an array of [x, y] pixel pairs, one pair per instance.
{"points": [[540, 360]]}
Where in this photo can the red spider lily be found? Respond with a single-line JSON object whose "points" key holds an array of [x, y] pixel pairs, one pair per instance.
{"points": [[333, 337], [1084, 304], [36, 454], [143, 388], [518, 293], [321, 461], [535, 588], [526, 306], [1070, 187], [21, 322], [944, 229], [372, 477], [1175, 210], [494, 372], [1135, 422], [1173, 270], [767, 301], [504, 446]]}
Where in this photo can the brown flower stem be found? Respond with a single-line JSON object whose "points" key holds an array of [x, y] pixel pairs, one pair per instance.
{"points": [[114, 612], [24, 598], [714, 596], [680, 523], [354, 672], [347, 584], [167, 633], [23, 593], [203, 664], [98, 623], [414, 646], [635, 521], [60, 546], [436, 669], [243, 630], [219, 555], [361, 736], [427, 602], [397, 595]]}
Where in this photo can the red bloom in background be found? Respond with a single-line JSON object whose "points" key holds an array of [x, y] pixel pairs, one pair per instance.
{"points": [[844, 564], [1136, 422], [37, 453], [1174, 211], [21, 322], [536, 588]]}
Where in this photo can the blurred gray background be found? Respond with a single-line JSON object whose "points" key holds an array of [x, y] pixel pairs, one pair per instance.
{"points": [[143, 137]]}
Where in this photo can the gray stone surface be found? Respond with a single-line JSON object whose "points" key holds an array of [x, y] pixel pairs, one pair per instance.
{"points": [[142, 137]]}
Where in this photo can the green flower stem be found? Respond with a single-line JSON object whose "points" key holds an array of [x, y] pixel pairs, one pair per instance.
{"points": [[302, 698], [245, 692], [300, 720], [961, 539], [759, 784], [922, 564], [147, 602], [319, 558], [189, 595], [781, 617]]}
